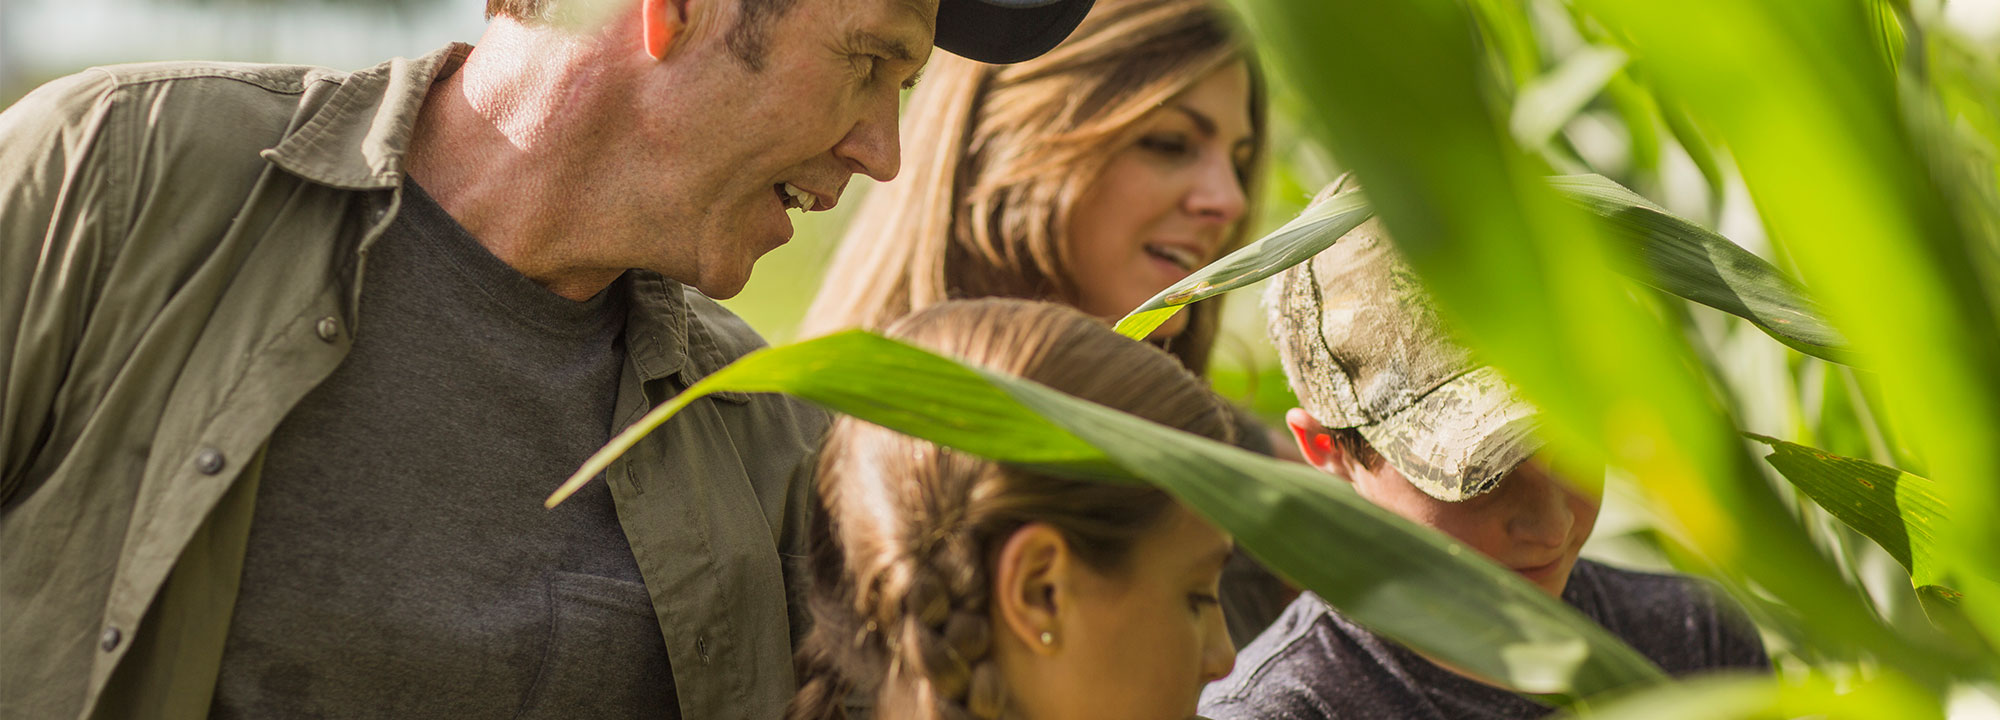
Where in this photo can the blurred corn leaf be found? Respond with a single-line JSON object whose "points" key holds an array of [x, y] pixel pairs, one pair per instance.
{"points": [[1675, 255], [1406, 582], [1547, 103], [1524, 276], [1857, 196], [1736, 697], [1898, 510], [1509, 38]]}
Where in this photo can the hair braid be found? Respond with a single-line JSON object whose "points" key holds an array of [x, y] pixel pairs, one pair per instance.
{"points": [[947, 637], [902, 584]]}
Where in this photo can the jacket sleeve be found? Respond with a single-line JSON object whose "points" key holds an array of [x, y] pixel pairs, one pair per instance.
{"points": [[62, 221]]}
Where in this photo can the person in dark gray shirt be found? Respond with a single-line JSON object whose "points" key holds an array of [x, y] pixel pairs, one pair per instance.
{"points": [[1397, 408], [1315, 663]]}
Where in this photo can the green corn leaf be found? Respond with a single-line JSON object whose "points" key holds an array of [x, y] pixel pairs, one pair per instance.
{"points": [[1521, 275], [1312, 231], [1853, 190], [957, 406], [1677, 256], [1765, 697], [1695, 263], [1899, 511], [1407, 582], [1549, 102], [1699, 148]]}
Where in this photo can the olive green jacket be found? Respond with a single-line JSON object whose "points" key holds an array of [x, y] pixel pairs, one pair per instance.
{"points": [[181, 252]]}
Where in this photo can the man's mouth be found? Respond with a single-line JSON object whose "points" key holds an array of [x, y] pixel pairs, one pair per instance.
{"points": [[1539, 572], [795, 198]]}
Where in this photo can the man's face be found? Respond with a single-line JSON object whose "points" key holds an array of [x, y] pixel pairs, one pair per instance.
{"points": [[1533, 522], [725, 150]]}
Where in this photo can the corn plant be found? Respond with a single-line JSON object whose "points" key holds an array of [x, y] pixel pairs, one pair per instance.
{"points": [[1791, 420]]}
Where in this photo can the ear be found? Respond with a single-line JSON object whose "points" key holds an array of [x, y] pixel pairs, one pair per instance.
{"points": [[1316, 444], [661, 22], [1030, 574]]}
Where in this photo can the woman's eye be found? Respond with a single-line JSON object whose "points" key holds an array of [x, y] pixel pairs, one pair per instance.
{"points": [[1197, 601], [1170, 145]]}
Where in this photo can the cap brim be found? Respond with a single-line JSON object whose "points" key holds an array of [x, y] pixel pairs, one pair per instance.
{"points": [[1006, 31], [1456, 442]]}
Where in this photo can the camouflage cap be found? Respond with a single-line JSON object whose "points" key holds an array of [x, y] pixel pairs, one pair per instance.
{"points": [[1364, 348]]}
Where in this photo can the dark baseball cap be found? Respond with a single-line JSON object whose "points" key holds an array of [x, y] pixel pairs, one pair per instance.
{"points": [[1006, 31]]}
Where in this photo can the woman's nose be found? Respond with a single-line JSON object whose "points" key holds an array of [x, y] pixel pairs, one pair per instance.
{"points": [[1218, 194]]}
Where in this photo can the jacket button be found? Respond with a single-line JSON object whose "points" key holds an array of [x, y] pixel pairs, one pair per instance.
{"points": [[701, 647], [328, 328], [109, 640], [209, 461]]}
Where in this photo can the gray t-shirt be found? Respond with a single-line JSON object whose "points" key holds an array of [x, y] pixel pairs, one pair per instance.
{"points": [[1315, 664], [400, 562]]}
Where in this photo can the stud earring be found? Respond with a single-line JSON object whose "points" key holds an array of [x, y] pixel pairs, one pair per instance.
{"points": [[1048, 638]]}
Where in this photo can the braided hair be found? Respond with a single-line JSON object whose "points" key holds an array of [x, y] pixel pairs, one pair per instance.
{"points": [[906, 530]]}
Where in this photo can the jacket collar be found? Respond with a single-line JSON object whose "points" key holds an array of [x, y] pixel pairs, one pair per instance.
{"points": [[656, 329], [357, 138]]}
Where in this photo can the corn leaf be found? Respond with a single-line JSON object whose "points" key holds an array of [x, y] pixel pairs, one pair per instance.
{"points": [[1846, 184], [1549, 102], [1676, 256], [1522, 275], [1695, 263], [1312, 231], [1899, 511], [1406, 582], [1765, 697]]}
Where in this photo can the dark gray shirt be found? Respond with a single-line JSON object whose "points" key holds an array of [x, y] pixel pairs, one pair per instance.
{"points": [[1314, 663], [400, 562]]}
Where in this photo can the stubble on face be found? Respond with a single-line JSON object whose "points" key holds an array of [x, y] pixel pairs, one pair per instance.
{"points": [[797, 112]]}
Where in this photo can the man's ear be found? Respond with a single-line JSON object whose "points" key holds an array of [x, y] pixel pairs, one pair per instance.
{"points": [[661, 22], [1316, 444], [1031, 573]]}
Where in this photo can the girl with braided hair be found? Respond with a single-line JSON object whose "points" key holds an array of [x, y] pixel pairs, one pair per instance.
{"points": [[946, 586]]}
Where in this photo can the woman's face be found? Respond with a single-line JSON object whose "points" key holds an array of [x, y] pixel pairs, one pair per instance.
{"points": [[1138, 643], [1164, 204]]}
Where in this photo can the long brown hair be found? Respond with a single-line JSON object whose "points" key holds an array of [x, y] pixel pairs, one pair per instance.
{"points": [[997, 155], [906, 531]]}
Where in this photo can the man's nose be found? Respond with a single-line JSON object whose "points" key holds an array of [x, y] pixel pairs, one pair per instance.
{"points": [[1540, 514], [872, 147]]}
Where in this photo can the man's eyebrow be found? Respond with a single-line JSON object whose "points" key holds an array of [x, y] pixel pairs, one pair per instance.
{"points": [[871, 42]]}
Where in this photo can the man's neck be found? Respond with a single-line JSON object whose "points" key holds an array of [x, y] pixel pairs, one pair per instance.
{"points": [[498, 146]]}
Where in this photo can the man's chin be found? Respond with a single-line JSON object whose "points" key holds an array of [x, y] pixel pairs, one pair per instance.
{"points": [[721, 289]]}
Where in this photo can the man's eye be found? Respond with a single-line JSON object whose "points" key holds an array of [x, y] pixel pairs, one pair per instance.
{"points": [[864, 66], [1197, 601]]}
